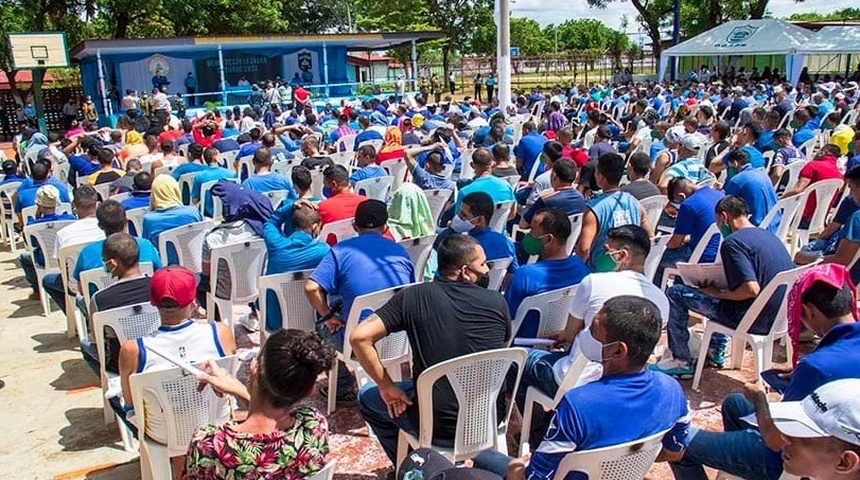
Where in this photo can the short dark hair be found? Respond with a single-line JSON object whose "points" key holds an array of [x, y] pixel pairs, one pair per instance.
{"points": [[481, 205], [781, 133], [133, 164], [304, 217], [367, 150], [604, 132], [121, 247], [255, 134], [635, 321], [501, 150], [167, 146], [301, 178], [674, 185], [263, 157], [732, 205], [289, 363], [86, 198], [640, 163], [337, 174], [39, 171], [632, 238], [554, 221], [455, 251], [564, 170], [723, 130], [754, 128], [611, 166], [831, 149], [831, 302], [553, 150], [111, 217], [142, 181], [195, 151], [482, 157], [707, 111], [740, 156], [106, 156], [268, 140], [210, 155]]}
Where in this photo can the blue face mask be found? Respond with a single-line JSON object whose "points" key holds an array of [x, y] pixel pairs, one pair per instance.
{"points": [[460, 225]]}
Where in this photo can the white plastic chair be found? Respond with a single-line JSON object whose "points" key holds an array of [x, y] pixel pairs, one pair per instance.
{"points": [[658, 248], [338, 231], [793, 171], [345, 143], [476, 380], [289, 289], [467, 171], [165, 170], [376, 144], [393, 350], [245, 262], [500, 216], [536, 396], [186, 183], [245, 167], [187, 240], [68, 256], [183, 150], [8, 192], [217, 206], [119, 197], [419, 250], [513, 180], [317, 183], [128, 323], [695, 256], [438, 199], [654, 208], [276, 197], [377, 187], [398, 170], [498, 269], [284, 168], [552, 308], [96, 279], [762, 345], [825, 191], [535, 165], [29, 213], [791, 212], [135, 220], [185, 409], [327, 472], [103, 189], [45, 235], [628, 461], [228, 157]]}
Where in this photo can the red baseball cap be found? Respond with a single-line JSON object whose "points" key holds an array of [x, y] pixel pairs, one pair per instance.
{"points": [[173, 283]]}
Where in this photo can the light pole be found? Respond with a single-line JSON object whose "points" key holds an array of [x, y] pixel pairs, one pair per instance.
{"points": [[503, 52]]}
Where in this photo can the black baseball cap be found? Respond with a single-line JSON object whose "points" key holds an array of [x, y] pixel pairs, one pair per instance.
{"points": [[371, 214]]}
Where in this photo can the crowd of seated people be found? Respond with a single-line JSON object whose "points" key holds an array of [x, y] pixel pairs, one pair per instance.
{"points": [[554, 190]]}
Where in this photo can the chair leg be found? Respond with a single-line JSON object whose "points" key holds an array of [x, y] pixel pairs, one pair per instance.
{"points": [[71, 318], [738, 346], [402, 450], [332, 387], [703, 356], [789, 348], [525, 431]]}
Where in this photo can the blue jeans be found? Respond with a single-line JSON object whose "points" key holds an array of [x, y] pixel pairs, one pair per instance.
{"points": [[345, 380], [669, 259], [375, 413], [25, 260], [53, 285], [537, 373], [683, 298], [739, 451]]}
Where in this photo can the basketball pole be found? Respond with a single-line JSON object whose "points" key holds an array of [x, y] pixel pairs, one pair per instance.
{"points": [[38, 73]]}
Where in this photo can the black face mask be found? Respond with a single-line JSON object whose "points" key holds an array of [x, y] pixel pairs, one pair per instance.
{"points": [[483, 280]]}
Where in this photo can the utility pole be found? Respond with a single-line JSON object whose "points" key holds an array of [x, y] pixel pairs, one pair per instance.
{"points": [[503, 52]]}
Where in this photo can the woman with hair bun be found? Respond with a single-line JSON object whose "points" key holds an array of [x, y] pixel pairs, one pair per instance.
{"points": [[276, 441]]}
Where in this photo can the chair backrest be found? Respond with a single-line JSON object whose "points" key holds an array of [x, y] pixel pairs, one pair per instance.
{"points": [[535, 165], [284, 168], [377, 144], [82, 180], [500, 216], [103, 189], [317, 183], [245, 166], [467, 171], [346, 143], [419, 250], [185, 407], [793, 171], [128, 323], [552, 308], [790, 211], [498, 269], [377, 187], [575, 228], [654, 207], [68, 256], [217, 207], [825, 192], [628, 461], [245, 261], [61, 171], [276, 197], [768, 159], [476, 380], [438, 199], [513, 180], [340, 230], [289, 289], [327, 472], [658, 248], [45, 235], [345, 159], [183, 149], [228, 157], [29, 213], [187, 240], [397, 169], [571, 378], [782, 279], [165, 170], [119, 197], [135, 220], [186, 183], [699, 249]]}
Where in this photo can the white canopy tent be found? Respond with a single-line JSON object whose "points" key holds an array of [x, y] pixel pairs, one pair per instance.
{"points": [[834, 39], [746, 37]]}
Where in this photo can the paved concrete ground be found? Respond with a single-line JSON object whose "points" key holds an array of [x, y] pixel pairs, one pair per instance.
{"points": [[51, 408]]}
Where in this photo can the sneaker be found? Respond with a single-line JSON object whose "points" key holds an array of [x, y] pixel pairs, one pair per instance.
{"points": [[250, 322], [675, 368], [716, 358]]}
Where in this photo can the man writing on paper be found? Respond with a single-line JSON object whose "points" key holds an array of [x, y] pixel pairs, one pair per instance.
{"points": [[751, 257]]}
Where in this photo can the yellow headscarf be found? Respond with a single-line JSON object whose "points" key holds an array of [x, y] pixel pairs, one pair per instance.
{"points": [[133, 138], [165, 193], [393, 140]]}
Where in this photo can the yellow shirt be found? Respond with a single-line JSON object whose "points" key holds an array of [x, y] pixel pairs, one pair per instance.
{"points": [[842, 136]]}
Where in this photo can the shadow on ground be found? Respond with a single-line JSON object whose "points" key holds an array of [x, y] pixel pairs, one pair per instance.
{"points": [[87, 431], [54, 342], [76, 374]]}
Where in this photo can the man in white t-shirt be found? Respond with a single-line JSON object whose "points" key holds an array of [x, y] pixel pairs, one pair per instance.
{"points": [[84, 230], [626, 248]]}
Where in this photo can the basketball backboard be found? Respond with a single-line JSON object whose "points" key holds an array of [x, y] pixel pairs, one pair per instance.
{"points": [[39, 50]]}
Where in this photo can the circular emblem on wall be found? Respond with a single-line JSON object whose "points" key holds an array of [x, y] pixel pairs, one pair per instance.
{"points": [[158, 65]]}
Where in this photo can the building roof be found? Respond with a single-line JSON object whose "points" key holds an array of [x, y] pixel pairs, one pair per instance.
{"points": [[352, 42], [745, 37], [364, 59], [22, 76]]}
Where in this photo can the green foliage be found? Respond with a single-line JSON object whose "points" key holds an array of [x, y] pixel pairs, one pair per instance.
{"points": [[848, 13]]}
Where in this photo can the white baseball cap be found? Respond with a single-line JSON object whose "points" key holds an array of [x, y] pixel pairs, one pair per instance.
{"points": [[693, 142], [832, 410]]}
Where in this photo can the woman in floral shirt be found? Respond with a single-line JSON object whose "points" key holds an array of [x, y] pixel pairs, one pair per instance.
{"points": [[276, 441]]}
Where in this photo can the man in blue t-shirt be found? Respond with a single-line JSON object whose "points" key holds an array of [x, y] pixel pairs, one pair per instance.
{"points": [[140, 195], [628, 403], [499, 190], [563, 195], [751, 257], [47, 198], [358, 266], [529, 148], [556, 267], [366, 133], [803, 130], [194, 164], [264, 179], [825, 305], [753, 186], [365, 157], [40, 173], [695, 216], [213, 171]]}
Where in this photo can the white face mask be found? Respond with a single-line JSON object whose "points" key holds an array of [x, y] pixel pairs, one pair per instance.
{"points": [[591, 348], [459, 225]]}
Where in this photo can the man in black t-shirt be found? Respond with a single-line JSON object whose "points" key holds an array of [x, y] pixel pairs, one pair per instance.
{"points": [[451, 317]]}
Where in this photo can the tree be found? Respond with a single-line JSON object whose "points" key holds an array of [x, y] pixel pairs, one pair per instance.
{"points": [[652, 14], [848, 13], [525, 34]]}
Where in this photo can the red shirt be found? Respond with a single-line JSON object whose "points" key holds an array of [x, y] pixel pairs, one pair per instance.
{"points": [[392, 155], [171, 135], [300, 95], [203, 140], [340, 206], [578, 155], [822, 168]]}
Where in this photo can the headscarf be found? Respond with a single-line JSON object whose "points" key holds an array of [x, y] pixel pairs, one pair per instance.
{"points": [[240, 204], [377, 118], [833, 274], [409, 213], [393, 140], [165, 193], [37, 142], [133, 138]]}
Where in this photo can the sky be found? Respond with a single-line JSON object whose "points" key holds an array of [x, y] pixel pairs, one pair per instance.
{"points": [[557, 12]]}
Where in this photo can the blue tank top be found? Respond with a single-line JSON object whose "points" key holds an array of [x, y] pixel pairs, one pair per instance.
{"points": [[612, 210]]}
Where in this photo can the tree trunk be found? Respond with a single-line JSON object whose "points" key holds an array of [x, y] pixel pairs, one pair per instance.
{"points": [[123, 20], [715, 13], [757, 10], [446, 50]]}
